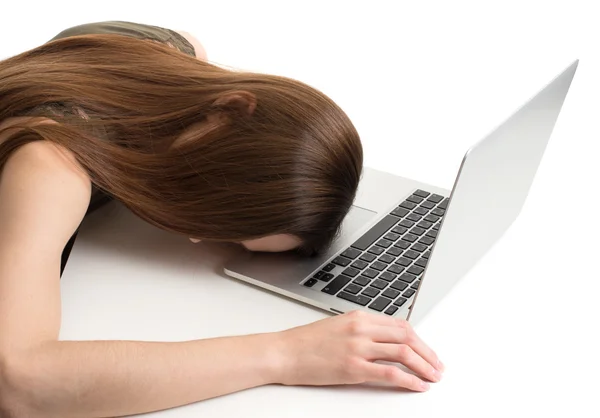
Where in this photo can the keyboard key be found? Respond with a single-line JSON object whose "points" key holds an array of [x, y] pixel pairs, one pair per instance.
{"points": [[406, 223], [424, 224], [370, 273], [380, 304], [403, 261], [410, 238], [400, 301], [414, 217], [390, 293], [416, 270], [391, 236], [359, 264], [371, 292], [394, 251], [426, 240], [417, 231], [351, 271], [319, 274], [421, 193], [326, 277], [399, 229], [351, 253], [342, 261], [438, 212], [398, 285], [375, 232], [367, 257], [436, 226], [411, 254], [420, 211], [329, 267], [379, 266], [407, 205], [432, 234], [421, 262], [418, 247], [358, 299], [416, 284], [408, 278], [436, 198], [391, 310], [396, 269], [379, 284], [384, 243], [335, 285], [427, 204], [432, 218], [415, 199], [376, 250], [444, 203], [402, 244], [353, 288], [386, 258], [400, 212], [310, 282], [387, 276], [427, 254], [362, 281], [408, 293]]}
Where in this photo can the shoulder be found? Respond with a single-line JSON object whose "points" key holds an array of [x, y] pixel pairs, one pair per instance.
{"points": [[198, 47], [50, 167], [44, 192], [41, 153], [46, 165], [44, 155]]}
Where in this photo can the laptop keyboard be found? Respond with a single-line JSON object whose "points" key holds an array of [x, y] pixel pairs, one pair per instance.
{"points": [[382, 270]]}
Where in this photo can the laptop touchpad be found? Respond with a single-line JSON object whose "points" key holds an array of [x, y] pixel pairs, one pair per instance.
{"points": [[356, 220]]}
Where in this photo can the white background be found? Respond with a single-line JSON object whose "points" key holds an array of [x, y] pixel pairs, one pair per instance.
{"points": [[422, 81]]}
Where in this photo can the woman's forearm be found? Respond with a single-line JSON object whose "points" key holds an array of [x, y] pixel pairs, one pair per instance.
{"points": [[116, 378]]}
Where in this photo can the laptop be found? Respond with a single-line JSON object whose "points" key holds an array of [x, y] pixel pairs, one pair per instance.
{"points": [[405, 244]]}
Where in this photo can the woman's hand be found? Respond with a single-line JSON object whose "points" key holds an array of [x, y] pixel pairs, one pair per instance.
{"points": [[343, 350]]}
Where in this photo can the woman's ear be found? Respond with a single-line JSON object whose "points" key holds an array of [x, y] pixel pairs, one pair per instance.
{"points": [[240, 101]]}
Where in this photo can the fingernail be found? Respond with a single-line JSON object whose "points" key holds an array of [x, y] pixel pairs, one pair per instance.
{"points": [[437, 376], [424, 385], [440, 366]]}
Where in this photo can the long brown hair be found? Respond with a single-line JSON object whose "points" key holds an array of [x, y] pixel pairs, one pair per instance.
{"points": [[291, 166]]}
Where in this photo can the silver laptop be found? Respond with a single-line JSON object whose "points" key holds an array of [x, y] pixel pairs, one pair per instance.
{"points": [[405, 244]]}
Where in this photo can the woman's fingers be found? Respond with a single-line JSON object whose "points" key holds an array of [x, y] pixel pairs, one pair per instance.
{"points": [[388, 334], [404, 354], [375, 372], [400, 332]]}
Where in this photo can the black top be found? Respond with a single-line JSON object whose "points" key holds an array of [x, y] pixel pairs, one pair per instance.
{"points": [[135, 30]]}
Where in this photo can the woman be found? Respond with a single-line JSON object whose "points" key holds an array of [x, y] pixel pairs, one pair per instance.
{"points": [[132, 112]]}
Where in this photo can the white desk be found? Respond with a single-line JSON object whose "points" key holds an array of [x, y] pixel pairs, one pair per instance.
{"points": [[128, 280]]}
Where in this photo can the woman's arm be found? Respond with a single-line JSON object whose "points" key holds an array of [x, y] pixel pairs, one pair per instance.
{"points": [[43, 198]]}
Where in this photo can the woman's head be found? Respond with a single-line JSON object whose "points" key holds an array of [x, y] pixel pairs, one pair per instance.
{"points": [[190, 147]]}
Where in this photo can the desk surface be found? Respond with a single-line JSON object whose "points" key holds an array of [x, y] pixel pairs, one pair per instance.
{"points": [[127, 280]]}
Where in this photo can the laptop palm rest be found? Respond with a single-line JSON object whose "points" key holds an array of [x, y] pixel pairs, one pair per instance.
{"points": [[290, 267]]}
